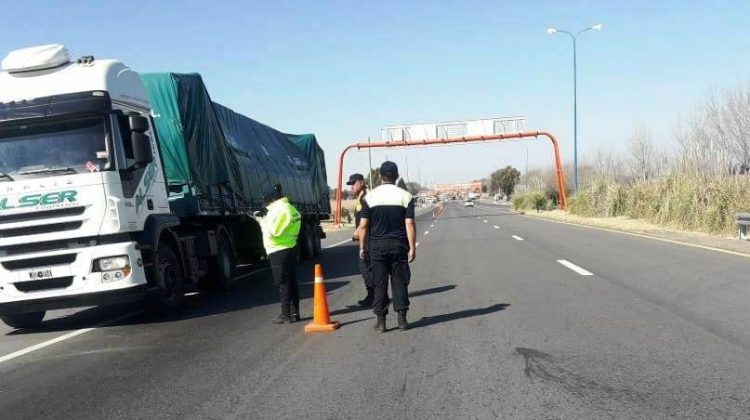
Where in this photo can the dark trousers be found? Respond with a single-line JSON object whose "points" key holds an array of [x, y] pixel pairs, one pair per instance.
{"points": [[285, 277], [365, 269], [389, 258]]}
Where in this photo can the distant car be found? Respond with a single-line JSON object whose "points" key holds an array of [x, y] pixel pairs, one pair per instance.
{"points": [[469, 203]]}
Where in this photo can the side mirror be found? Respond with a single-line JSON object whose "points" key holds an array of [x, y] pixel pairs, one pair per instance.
{"points": [[142, 153], [137, 123]]}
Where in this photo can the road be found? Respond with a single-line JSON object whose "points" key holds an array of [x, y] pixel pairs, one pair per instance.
{"points": [[512, 317]]}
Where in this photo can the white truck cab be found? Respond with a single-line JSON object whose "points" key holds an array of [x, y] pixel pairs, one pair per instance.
{"points": [[80, 177]]}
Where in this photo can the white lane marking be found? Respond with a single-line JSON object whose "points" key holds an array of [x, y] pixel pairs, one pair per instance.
{"points": [[417, 245], [427, 232], [64, 337], [337, 244], [575, 268], [432, 225], [516, 237], [76, 333], [241, 276], [268, 268], [486, 221], [496, 227]]}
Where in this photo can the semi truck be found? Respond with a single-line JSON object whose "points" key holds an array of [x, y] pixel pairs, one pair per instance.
{"points": [[117, 187]]}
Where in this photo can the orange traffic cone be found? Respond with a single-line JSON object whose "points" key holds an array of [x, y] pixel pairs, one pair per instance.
{"points": [[321, 316]]}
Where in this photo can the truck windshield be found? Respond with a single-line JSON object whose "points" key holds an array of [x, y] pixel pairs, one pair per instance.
{"points": [[53, 147]]}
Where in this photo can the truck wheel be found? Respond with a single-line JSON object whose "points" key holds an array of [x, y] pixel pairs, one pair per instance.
{"points": [[169, 281], [316, 242], [308, 241], [27, 320], [222, 268]]}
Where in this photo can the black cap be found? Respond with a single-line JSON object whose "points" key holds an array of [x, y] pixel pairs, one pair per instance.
{"points": [[389, 169], [272, 194], [354, 178]]}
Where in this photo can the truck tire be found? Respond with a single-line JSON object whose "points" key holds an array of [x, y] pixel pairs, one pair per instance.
{"points": [[169, 281], [222, 269], [307, 242], [27, 320], [316, 241]]}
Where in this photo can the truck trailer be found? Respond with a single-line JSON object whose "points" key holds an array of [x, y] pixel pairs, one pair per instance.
{"points": [[118, 187]]}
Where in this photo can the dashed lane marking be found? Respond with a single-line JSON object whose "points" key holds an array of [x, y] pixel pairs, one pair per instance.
{"points": [[575, 268], [496, 227], [516, 237], [337, 244]]}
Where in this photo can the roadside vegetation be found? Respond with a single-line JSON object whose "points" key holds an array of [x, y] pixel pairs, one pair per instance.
{"points": [[697, 182]]}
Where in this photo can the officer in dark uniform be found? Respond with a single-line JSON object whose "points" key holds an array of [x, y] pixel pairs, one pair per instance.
{"points": [[387, 222], [359, 189]]}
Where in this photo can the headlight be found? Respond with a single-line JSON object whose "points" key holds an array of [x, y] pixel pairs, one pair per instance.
{"points": [[111, 263]]}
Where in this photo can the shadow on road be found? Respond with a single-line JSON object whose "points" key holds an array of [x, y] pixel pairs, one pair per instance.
{"points": [[343, 324], [356, 308], [438, 319], [251, 291], [439, 289]]}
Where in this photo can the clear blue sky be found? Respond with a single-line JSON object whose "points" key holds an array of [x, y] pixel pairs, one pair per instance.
{"points": [[343, 69]]}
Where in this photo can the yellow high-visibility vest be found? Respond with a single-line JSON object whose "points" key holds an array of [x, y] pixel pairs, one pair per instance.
{"points": [[280, 226]]}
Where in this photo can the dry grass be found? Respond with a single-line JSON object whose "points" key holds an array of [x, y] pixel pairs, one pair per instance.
{"points": [[692, 203]]}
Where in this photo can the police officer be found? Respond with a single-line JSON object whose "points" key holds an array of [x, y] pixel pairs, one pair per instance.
{"points": [[388, 224], [280, 223], [359, 188]]}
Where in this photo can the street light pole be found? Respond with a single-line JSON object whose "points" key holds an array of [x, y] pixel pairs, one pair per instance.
{"points": [[574, 38]]}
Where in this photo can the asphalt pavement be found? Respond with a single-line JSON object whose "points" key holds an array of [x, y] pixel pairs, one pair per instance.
{"points": [[512, 317]]}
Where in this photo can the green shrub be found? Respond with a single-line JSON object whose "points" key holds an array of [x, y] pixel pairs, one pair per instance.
{"points": [[533, 200]]}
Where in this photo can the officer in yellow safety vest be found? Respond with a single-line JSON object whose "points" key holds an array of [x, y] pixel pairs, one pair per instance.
{"points": [[280, 223]]}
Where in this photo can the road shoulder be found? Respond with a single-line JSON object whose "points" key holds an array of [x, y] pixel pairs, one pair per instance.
{"points": [[648, 230]]}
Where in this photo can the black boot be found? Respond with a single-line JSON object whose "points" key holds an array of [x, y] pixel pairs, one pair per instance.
{"points": [[294, 312], [367, 301], [402, 324], [283, 319], [379, 326]]}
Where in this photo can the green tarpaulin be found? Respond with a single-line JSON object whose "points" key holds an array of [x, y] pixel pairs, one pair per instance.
{"points": [[218, 160]]}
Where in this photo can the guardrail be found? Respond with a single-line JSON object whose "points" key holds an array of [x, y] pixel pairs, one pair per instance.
{"points": [[743, 221]]}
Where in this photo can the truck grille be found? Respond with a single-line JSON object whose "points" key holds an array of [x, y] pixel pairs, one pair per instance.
{"points": [[41, 247], [39, 229], [46, 284], [47, 214], [39, 262]]}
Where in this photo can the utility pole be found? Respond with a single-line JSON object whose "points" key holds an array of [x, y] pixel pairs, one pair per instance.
{"points": [[369, 159], [526, 172]]}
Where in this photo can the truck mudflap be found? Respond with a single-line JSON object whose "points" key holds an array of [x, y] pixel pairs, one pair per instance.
{"points": [[109, 297]]}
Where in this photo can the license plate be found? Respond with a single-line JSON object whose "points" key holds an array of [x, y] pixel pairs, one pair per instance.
{"points": [[40, 274]]}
